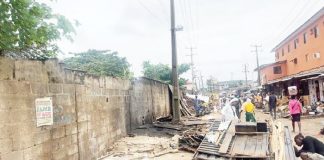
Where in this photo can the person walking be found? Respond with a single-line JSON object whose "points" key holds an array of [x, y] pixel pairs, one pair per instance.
{"points": [[295, 109], [228, 112], [197, 106], [236, 102], [249, 108], [272, 105]]}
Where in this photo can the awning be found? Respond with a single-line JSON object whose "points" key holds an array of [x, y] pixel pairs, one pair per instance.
{"points": [[308, 74], [318, 72], [317, 77]]}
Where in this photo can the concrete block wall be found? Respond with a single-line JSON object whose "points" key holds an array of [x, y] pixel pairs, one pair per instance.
{"points": [[149, 100], [20, 138], [101, 119], [90, 112]]}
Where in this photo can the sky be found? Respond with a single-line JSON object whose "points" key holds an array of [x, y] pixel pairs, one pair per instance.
{"points": [[221, 32]]}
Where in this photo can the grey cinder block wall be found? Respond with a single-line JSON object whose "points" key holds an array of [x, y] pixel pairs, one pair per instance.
{"points": [[90, 112]]}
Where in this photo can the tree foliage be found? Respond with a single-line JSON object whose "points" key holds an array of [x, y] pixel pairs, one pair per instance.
{"points": [[28, 29], [100, 63], [163, 72]]}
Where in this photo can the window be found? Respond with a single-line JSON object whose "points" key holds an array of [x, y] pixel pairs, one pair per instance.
{"points": [[295, 43], [282, 52], [305, 38], [317, 55], [277, 70], [295, 60], [306, 57], [277, 55], [288, 48], [316, 31]]}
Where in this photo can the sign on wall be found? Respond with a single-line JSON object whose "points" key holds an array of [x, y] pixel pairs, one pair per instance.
{"points": [[44, 111]]}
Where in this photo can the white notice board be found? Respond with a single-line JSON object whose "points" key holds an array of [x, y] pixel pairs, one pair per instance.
{"points": [[44, 111]]}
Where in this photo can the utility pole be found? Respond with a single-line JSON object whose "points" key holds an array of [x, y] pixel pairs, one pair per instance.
{"points": [[202, 82], [175, 81], [257, 60], [245, 72], [194, 88]]}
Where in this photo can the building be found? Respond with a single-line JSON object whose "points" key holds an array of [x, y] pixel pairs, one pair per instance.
{"points": [[299, 61], [218, 86]]}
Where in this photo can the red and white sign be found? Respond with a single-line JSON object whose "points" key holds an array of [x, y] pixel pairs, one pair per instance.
{"points": [[44, 111]]}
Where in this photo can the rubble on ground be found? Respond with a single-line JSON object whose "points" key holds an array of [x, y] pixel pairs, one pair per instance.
{"points": [[187, 106], [315, 110], [141, 147]]}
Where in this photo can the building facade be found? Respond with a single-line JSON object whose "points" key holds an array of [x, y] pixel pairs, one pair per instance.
{"points": [[299, 61]]}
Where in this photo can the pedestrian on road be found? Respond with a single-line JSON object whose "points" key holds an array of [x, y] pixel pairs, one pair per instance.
{"points": [[249, 108], [295, 109], [273, 105], [311, 147], [197, 107], [236, 102], [228, 112]]}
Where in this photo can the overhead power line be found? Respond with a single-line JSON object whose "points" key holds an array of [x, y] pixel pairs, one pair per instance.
{"points": [[301, 13], [152, 13]]}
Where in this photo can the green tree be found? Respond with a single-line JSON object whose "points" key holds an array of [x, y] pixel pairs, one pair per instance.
{"points": [[100, 63], [163, 72], [29, 29]]}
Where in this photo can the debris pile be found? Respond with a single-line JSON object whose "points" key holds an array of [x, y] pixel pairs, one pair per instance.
{"points": [[192, 131], [308, 111], [142, 147], [187, 106], [191, 139], [238, 140]]}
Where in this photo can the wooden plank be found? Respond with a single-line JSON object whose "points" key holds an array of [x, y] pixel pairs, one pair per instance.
{"points": [[207, 147], [250, 146], [221, 134], [231, 128], [208, 144], [216, 137], [264, 145], [202, 156], [184, 106], [226, 142], [289, 150], [236, 144], [211, 157], [207, 150], [168, 126], [190, 123], [258, 148], [251, 133], [240, 144]]}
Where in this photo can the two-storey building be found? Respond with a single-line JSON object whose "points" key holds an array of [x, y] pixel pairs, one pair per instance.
{"points": [[299, 61]]}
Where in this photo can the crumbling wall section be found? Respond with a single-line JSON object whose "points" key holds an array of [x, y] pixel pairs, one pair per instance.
{"points": [[150, 100]]}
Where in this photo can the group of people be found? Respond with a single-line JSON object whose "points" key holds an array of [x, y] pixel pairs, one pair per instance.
{"points": [[233, 107], [312, 148]]}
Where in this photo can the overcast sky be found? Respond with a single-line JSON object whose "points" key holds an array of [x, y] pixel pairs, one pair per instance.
{"points": [[222, 31]]}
